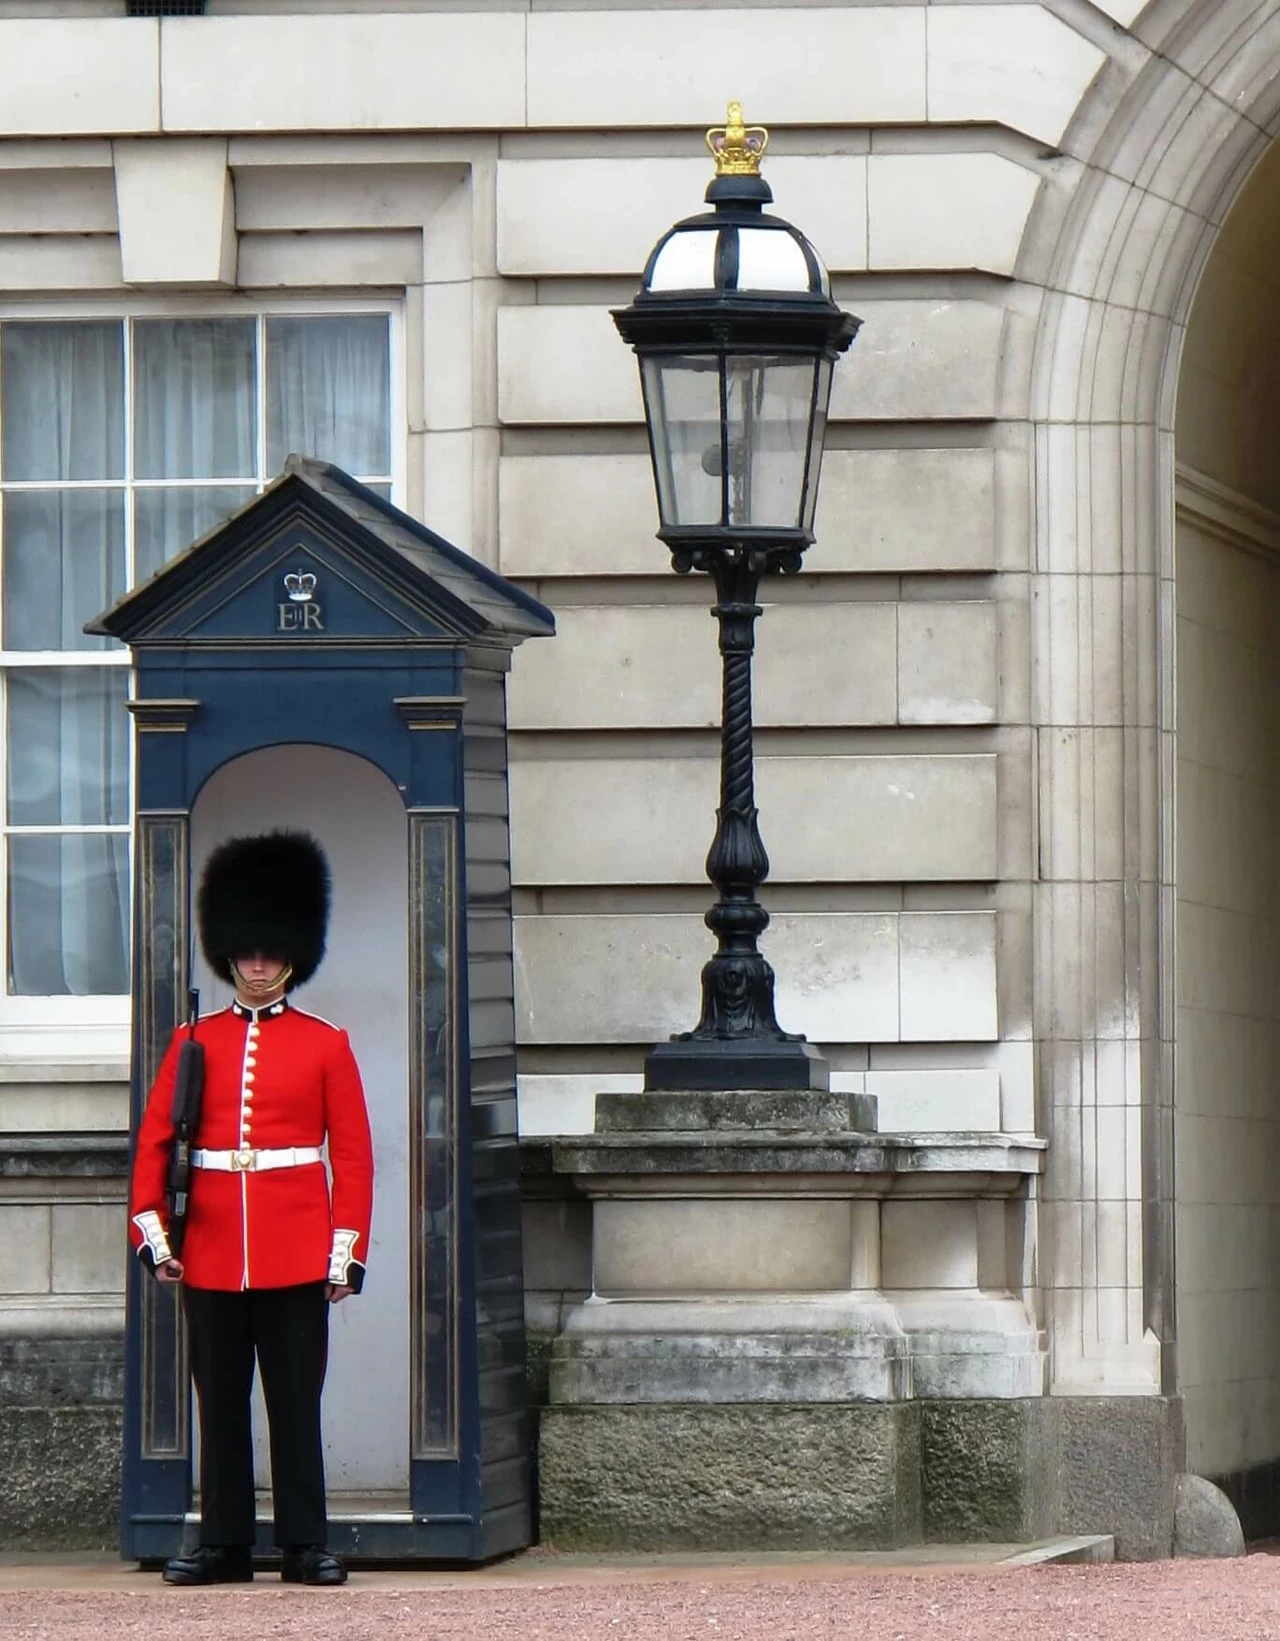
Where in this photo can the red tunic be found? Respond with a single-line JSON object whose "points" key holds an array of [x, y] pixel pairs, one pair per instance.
{"points": [[275, 1078]]}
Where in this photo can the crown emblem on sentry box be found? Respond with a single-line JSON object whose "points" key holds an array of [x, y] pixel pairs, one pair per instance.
{"points": [[300, 586]]}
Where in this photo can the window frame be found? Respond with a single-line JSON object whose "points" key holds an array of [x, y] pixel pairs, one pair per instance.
{"points": [[99, 1024]]}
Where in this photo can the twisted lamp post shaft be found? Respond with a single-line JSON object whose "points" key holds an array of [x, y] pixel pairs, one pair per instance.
{"points": [[737, 982]]}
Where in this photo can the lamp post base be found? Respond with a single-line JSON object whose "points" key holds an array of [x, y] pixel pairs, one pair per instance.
{"points": [[698, 1063]]}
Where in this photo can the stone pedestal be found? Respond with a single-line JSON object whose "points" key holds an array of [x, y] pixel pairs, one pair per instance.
{"points": [[776, 1291]]}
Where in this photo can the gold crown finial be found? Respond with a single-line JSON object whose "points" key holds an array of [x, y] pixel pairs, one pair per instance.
{"points": [[738, 148]]}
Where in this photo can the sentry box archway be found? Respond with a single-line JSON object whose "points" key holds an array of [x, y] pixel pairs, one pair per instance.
{"points": [[323, 660]]}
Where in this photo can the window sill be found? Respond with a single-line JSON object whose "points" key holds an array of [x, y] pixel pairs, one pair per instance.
{"points": [[90, 1069]]}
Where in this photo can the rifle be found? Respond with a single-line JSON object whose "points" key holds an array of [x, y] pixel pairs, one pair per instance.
{"points": [[188, 1092]]}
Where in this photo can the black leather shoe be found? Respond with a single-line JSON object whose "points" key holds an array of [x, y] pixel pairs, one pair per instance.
{"points": [[311, 1564], [211, 1564]]}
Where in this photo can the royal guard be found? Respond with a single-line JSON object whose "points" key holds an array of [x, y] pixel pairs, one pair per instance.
{"points": [[266, 1247]]}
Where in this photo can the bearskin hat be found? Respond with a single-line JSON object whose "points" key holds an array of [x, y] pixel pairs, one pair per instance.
{"points": [[265, 894]]}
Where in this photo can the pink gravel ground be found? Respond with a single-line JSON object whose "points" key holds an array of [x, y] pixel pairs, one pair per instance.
{"points": [[1165, 1601]]}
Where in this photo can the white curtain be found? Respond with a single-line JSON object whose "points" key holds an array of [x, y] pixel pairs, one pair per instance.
{"points": [[63, 564], [68, 765], [194, 387], [167, 522], [63, 401], [328, 392], [62, 412]]}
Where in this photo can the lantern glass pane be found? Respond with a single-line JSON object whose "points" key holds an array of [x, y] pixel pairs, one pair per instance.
{"points": [[682, 404], [817, 437], [769, 405]]}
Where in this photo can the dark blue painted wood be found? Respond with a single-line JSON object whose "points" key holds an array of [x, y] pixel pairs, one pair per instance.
{"points": [[306, 618]]}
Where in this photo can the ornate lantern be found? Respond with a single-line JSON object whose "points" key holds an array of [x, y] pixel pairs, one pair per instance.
{"points": [[737, 338]]}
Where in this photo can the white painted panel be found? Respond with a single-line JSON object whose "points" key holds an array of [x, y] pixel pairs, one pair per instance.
{"points": [[892, 510], [687, 262], [1014, 65], [825, 819], [634, 979], [840, 66], [359, 71], [358, 818], [73, 76], [570, 216]]}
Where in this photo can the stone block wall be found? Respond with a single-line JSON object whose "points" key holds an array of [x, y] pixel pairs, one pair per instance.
{"points": [[62, 1268], [61, 1402], [861, 1476]]}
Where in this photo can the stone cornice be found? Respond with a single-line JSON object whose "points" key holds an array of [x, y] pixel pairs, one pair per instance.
{"points": [[721, 1163], [59, 1156], [1226, 514]]}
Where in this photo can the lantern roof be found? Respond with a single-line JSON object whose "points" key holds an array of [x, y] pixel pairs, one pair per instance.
{"points": [[754, 276], [736, 247]]}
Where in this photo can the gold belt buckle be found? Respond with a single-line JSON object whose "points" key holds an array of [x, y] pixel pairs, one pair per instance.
{"points": [[244, 1162]]}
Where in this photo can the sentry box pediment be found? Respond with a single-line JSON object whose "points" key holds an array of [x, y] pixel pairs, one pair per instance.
{"points": [[319, 558], [324, 660]]}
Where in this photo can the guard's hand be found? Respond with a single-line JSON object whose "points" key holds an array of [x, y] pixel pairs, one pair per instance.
{"points": [[171, 1271], [334, 1292]]}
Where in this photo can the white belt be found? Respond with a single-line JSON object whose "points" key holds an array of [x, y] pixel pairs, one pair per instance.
{"points": [[249, 1161]]}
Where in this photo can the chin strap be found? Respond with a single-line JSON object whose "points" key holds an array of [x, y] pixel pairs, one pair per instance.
{"points": [[260, 988]]}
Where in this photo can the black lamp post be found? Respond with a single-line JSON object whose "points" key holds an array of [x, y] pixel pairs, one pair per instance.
{"points": [[737, 337]]}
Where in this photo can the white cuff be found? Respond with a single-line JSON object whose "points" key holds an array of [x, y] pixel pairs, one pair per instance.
{"points": [[341, 1259], [153, 1236]]}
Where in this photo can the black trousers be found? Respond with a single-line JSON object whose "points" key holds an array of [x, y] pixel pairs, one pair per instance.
{"points": [[288, 1331]]}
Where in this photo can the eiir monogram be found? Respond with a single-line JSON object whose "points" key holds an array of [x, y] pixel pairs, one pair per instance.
{"points": [[299, 618], [300, 612]]}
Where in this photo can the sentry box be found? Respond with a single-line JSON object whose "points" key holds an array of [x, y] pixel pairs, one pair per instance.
{"points": [[322, 660]]}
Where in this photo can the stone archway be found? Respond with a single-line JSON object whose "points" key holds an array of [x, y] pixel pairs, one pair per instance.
{"points": [[1161, 150]]}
